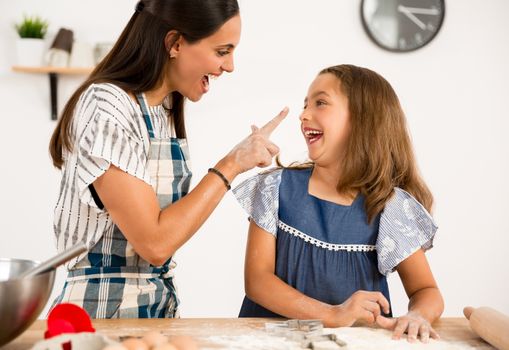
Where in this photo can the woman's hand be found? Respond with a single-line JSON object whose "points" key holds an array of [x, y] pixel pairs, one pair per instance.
{"points": [[362, 307], [256, 149], [412, 323]]}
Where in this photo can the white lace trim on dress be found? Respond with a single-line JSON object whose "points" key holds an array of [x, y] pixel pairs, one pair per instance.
{"points": [[325, 245]]}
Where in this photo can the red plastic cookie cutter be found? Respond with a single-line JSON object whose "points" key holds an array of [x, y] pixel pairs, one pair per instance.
{"points": [[67, 318]]}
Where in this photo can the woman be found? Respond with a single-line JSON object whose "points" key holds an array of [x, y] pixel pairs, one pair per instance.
{"points": [[121, 144]]}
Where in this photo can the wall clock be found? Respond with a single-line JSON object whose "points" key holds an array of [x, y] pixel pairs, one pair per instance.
{"points": [[402, 25]]}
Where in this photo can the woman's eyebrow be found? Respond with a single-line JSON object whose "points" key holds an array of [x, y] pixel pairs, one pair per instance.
{"points": [[226, 46]]}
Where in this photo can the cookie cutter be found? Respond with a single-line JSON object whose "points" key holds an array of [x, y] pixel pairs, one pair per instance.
{"points": [[309, 333]]}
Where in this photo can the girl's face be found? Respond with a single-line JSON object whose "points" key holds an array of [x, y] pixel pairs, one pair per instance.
{"points": [[195, 64], [325, 120]]}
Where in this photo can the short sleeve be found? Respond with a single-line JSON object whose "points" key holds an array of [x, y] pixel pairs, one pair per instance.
{"points": [[259, 197], [106, 136], [405, 227]]}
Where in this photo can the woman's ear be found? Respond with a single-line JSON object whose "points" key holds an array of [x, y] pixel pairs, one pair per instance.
{"points": [[173, 42]]}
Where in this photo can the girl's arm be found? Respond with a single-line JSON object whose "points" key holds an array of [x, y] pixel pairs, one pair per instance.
{"points": [[420, 286], [266, 289], [425, 304], [155, 233]]}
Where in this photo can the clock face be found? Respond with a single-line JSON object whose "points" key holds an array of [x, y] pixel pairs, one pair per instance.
{"points": [[402, 25]]}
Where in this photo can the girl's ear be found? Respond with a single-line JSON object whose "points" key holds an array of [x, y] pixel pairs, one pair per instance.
{"points": [[173, 42]]}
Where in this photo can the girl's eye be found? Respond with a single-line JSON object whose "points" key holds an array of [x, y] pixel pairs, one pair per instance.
{"points": [[223, 53], [321, 103]]}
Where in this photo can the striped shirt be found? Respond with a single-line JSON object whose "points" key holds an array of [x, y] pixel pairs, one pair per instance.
{"points": [[109, 129]]}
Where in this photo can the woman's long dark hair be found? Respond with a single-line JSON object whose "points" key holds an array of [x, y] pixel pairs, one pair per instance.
{"points": [[138, 60]]}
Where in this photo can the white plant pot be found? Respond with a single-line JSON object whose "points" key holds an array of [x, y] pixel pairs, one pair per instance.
{"points": [[30, 52]]}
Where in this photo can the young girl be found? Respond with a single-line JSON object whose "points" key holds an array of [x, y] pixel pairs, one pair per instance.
{"points": [[324, 235]]}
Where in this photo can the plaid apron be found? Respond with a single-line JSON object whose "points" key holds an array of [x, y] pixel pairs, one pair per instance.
{"points": [[113, 281]]}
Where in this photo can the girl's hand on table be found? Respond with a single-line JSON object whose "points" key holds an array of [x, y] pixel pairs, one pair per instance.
{"points": [[363, 307], [412, 323]]}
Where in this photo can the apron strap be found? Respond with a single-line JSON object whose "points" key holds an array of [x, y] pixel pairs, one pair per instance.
{"points": [[164, 272], [146, 114]]}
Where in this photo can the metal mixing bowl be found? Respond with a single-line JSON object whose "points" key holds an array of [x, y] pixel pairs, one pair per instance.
{"points": [[21, 300]]}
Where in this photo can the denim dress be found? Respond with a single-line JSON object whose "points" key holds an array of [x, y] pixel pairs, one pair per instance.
{"points": [[325, 250]]}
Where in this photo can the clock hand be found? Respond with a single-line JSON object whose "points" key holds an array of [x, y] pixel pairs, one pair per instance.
{"points": [[411, 16], [421, 11]]}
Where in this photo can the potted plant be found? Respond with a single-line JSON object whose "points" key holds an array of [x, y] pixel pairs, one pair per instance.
{"points": [[30, 45]]}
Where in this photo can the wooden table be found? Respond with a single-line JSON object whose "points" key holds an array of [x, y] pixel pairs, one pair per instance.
{"points": [[204, 330]]}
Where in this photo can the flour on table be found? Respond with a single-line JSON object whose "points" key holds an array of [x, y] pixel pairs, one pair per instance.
{"points": [[380, 339], [357, 338], [251, 342]]}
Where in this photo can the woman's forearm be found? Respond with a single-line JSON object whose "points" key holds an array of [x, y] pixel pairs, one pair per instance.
{"points": [[183, 218], [156, 234]]}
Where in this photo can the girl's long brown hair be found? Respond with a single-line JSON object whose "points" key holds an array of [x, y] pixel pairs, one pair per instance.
{"points": [[138, 60], [379, 154]]}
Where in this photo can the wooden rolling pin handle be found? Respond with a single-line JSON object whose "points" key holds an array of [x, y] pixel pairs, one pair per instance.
{"points": [[468, 311], [490, 325]]}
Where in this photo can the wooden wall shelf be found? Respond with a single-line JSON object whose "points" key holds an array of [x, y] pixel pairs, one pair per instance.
{"points": [[53, 73]]}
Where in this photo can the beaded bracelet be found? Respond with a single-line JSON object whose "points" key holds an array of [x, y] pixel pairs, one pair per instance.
{"points": [[225, 180]]}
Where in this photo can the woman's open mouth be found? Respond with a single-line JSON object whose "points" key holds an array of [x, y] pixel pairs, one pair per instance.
{"points": [[205, 83]]}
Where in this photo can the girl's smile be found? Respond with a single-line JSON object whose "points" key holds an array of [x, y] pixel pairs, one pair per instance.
{"points": [[312, 135]]}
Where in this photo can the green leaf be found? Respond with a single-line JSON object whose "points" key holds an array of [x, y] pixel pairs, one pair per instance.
{"points": [[32, 27]]}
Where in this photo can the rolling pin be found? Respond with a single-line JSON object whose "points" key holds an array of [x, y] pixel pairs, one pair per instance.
{"points": [[490, 325]]}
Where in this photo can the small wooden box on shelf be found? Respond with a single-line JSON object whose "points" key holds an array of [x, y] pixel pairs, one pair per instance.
{"points": [[53, 73]]}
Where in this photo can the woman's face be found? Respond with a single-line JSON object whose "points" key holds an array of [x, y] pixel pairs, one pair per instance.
{"points": [[195, 64], [325, 120]]}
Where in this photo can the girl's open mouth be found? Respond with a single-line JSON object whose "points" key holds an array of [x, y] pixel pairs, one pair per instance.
{"points": [[312, 135]]}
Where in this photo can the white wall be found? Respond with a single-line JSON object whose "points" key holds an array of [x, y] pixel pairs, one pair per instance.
{"points": [[454, 92]]}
